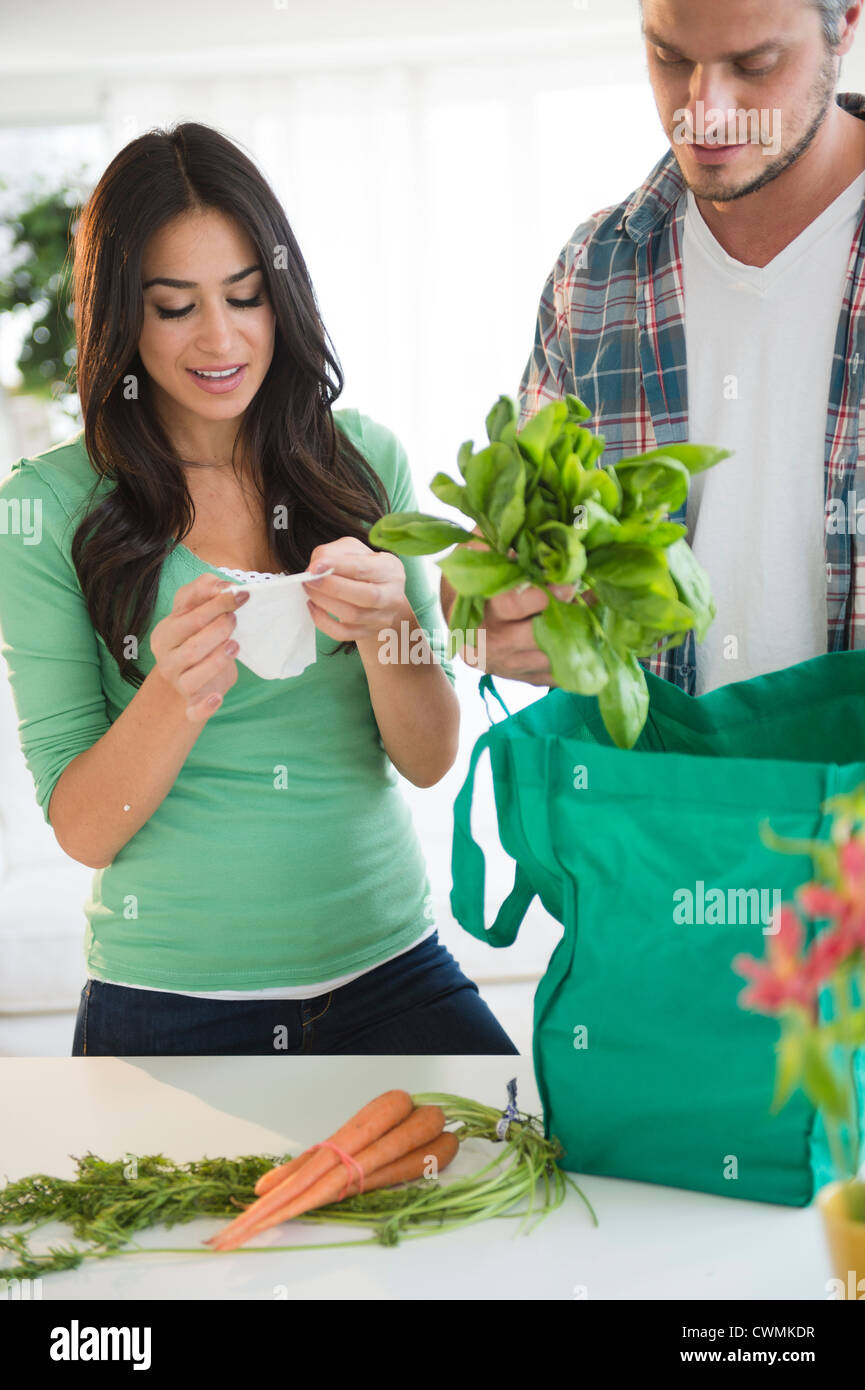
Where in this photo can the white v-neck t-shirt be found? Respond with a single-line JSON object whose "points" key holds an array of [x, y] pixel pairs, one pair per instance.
{"points": [[759, 343]]}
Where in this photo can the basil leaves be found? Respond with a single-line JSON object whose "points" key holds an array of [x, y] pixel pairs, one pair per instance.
{"points": [[548, 512]]}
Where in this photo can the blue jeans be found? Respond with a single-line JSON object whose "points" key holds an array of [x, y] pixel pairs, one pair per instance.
{"points": [[418, 1003]]}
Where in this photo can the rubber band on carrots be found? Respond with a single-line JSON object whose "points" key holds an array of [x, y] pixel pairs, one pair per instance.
{"points": [[355, 1172]]}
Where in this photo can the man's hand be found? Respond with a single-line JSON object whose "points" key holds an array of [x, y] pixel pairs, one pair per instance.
{"points": [[511, 650]]}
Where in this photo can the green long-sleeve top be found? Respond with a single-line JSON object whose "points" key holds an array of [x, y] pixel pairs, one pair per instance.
{"points": [[284, 853]]}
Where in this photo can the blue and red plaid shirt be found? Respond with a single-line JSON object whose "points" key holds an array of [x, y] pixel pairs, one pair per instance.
{"points": [[611, 330]]}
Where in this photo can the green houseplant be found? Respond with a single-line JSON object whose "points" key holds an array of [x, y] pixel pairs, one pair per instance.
{"points": [[34, 282]]}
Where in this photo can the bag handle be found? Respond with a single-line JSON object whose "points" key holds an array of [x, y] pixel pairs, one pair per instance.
{"points": [[486, 684], [469, 872]]}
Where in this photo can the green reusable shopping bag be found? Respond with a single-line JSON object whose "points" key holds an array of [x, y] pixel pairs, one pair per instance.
{"points": [[652, 860]]}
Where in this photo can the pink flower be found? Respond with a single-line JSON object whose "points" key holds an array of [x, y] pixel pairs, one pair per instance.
{"points": [[852, 862], [829, 949], [845, 906], [784, 979], [817, 901], [852, 859]]}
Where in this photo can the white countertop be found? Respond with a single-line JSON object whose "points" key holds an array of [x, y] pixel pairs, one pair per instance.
{"points": [[651, 1242]]}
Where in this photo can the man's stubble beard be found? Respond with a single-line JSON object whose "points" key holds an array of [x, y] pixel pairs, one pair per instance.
{"points": [[822, 93]]}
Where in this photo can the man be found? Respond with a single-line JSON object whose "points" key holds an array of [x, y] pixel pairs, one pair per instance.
{"points": [[724, 302]]}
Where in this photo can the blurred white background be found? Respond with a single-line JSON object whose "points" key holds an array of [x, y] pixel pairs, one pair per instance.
{"points": [[432, 161]]}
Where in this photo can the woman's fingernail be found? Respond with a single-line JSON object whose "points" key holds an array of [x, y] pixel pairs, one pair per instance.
{"points": [[241, 597]]}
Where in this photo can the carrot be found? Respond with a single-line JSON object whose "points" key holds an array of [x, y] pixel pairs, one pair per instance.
{"points": [[444, 1149], [402, 1105], [274, 1176], [369, 1124], [421, 1127], [411, 1166]]}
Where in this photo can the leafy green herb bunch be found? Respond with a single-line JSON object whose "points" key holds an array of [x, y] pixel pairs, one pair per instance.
{"points": [[548, 512]]}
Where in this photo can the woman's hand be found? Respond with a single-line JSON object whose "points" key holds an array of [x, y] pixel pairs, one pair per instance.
{"points": [[194, 647], [365, 601], [365, 593]]}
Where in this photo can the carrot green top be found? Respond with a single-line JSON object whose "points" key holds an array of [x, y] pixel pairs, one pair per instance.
{"points": [[284, 853]]}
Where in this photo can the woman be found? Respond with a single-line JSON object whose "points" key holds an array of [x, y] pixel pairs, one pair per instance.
{"points": [[259, 887]]}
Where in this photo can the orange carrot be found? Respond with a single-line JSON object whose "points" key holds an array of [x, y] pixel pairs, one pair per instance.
{"points": [[402, 1105], [368, 1125], [274, 1176], [423, 1125], [444, 1149], [411, 1166]]}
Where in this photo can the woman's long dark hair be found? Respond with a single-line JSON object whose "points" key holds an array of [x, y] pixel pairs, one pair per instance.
{"points": [[297, 457]]}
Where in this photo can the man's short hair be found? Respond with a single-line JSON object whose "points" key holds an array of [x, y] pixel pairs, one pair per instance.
{"points": [[831, 13]]}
